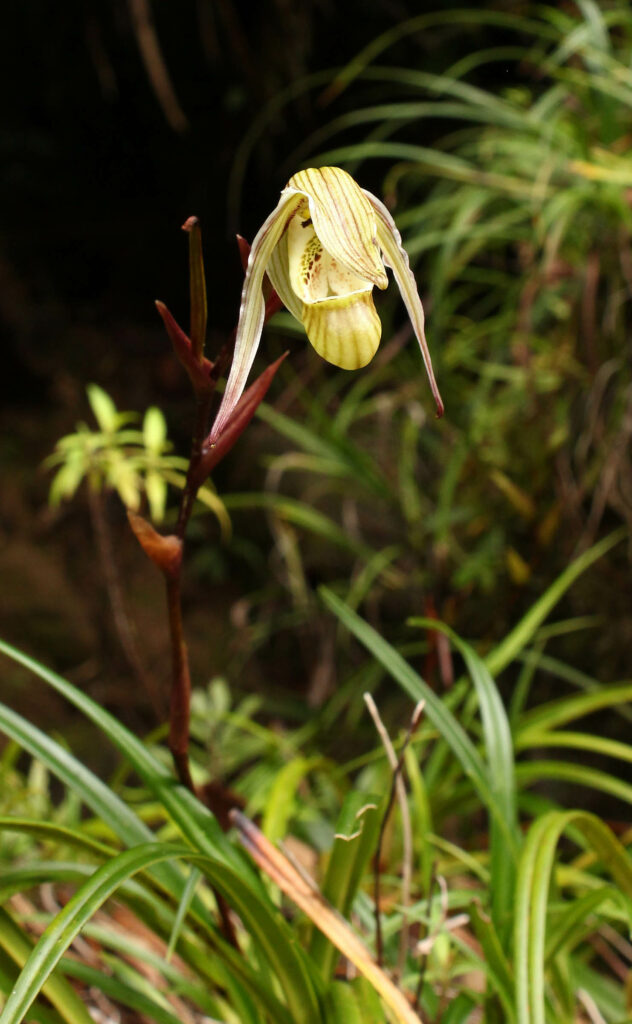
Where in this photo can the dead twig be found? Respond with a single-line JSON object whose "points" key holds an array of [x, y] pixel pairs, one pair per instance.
{"points": [[151, 54]]}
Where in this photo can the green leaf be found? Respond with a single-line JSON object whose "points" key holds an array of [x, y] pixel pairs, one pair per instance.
{"points": [[460, 1010], [532, 890], [579, 774], [451, 730], [156, 491], [421, 815], [274, 938], [61, 994], [126, 481], [66, 926], [302, 515], [197, 823], [104, 802], [500, 760], [354, 843], [139, 896], [226, 969], [8, 973], [154, 430], [350, 459], [184, 906], [579, 741], [497, 966], [567, 931], [126, 994], [120, 818], [282, 798], [549, 716], [519, 637], [371, 1011], [342, 1005], [67, 479], [233, 876], [117, 944], [376, 567], [608, 994], [272, 935], [104, 409], [48, 831]]}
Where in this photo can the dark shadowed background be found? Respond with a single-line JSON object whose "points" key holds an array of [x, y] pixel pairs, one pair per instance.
{"points": [[119, 120]]}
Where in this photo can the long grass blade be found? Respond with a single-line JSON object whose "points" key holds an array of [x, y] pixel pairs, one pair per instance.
{"points": [[501, 773], [450, 729], [519, 637], [197, 823], [57, 989], [534, 877], [272, 935]]}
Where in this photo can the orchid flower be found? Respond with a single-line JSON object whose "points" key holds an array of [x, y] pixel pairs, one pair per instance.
{"points": [[324, 248]]}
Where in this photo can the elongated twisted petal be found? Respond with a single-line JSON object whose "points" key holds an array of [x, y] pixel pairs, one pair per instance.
{"points": [[278, 272], [343, 220], [396, 257], [252, 308], [344, 329]]}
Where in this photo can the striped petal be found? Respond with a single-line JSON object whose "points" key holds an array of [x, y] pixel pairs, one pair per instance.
{"points": [[278, 272], [313, 272], [343, 220], [252, 308], [344, 329], [396, 257]]}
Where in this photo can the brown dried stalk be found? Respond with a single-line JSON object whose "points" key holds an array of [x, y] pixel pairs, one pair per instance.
{"points": [[308, 898]]}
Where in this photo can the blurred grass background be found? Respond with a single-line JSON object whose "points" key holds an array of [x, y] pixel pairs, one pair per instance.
{"points": [[500, 136]]}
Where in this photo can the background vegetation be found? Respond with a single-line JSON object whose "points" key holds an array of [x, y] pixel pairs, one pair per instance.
{"points": [[500, 139]]}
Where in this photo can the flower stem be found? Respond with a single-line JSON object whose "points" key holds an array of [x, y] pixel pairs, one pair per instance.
{"points": [[180, 704]]}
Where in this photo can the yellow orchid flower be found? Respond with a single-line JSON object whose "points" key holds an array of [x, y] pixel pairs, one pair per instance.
{"points": [[324, 247]]}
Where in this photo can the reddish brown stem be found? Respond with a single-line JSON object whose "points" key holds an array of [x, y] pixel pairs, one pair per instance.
{"points": [[204, 376], [179, 710], [193, 484], [180, 706], [197, 283]]}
